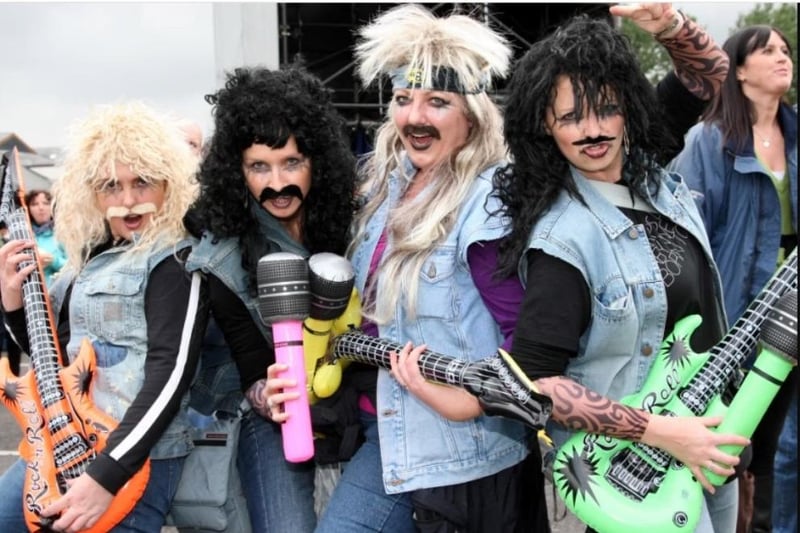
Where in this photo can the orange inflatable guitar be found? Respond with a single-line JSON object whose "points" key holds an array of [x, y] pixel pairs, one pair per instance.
{"points": [[62, 430]]}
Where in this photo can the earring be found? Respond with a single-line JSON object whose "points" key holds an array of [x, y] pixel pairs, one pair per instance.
{"points": [[626, 142]]}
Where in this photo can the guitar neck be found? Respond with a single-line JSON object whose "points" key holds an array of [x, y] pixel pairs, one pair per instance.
{"points": [[496, 381], [728, 355], [44, 355], [356, 346]]}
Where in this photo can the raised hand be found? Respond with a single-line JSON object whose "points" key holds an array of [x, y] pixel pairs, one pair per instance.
{"points": [[658, 19]]}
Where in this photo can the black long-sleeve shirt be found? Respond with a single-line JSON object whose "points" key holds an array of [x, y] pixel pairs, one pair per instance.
{"points": [[176, 313], [252, 351]]}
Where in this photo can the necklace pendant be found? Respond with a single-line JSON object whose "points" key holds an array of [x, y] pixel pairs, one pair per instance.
{"points": [[765, 143]]}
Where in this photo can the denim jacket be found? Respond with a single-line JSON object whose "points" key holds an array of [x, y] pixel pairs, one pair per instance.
{"points": [[419, 448], [739, 205], [107, 307], [629, 301]]}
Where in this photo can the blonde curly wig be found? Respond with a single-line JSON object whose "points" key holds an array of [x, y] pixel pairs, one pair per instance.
{"points": [[152, 145]]}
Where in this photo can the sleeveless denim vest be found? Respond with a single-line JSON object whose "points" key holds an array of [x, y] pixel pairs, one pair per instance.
{"points": [[420, 449], [107, 307], [629, 301], [224, 260]]}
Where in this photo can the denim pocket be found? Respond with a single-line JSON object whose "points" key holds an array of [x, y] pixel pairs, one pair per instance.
{"points": [[113, 308], [437, 293]]}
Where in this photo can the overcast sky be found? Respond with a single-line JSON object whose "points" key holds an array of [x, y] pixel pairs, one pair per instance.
{"points": [[60, 59]]}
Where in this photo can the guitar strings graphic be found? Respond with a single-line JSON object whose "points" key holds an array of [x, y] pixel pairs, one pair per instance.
{"points": [[46, 364]]}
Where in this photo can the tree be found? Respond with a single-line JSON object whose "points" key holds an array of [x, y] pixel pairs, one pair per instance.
{"points": [[784, 18], [653, 57]]}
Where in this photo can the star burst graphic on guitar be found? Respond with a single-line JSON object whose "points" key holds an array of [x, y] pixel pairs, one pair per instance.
{"points": [[83, 378], [578, 471], [678, 352], [9, 392]]}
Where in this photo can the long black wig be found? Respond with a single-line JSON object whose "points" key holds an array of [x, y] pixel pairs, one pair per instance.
{"points": [[262, 106], [602, 66]]}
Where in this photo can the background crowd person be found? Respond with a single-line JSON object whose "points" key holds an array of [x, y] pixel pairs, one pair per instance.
{"points": [[51, 253], [741, 164], [118, 207], [423, 255], [278, 176], [605, 280], [193, 134]]}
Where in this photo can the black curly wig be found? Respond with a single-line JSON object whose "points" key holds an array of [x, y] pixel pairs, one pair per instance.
{"points": [[262, 106], [600, 64]]}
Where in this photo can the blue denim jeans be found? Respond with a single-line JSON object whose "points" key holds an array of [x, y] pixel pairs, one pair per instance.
{"points": [[147, 516], [720, 509], [784, 494], [359, 503], [279, 494]]}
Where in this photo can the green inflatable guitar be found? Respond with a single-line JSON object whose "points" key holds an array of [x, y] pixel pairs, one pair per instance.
{"points": [[619, 486]]}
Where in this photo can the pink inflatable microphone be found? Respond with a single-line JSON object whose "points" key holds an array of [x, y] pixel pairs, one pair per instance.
{"points": [[283, 301]]}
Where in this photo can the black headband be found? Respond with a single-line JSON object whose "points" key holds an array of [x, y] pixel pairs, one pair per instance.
{"points": [[442, 79]]}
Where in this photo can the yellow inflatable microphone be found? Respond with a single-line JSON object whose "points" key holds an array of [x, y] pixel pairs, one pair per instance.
{"points": [[350, 318], [328, 376], [330, 278]]}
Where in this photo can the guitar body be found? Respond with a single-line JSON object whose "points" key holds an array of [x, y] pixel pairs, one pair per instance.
{"points": [[45, 480], [62, 429], [655, 502], [615, 485]]}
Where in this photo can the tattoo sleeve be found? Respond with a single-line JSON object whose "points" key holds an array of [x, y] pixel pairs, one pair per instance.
{"points": [[579, 408], [700, 63], [255, 395]]}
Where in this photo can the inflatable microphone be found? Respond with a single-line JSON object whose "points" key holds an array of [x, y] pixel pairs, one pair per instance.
{"points": [[283, 302], [330, 280]]}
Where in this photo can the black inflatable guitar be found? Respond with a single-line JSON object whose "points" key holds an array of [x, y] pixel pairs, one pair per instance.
{"points": [[499, 384]]}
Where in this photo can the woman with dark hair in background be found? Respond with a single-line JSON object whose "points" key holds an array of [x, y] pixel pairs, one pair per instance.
{"points": [[741, 165]]}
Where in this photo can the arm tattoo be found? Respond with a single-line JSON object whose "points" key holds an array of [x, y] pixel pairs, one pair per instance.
{"points": [[700, 63], [581, 409], [257, 399]]}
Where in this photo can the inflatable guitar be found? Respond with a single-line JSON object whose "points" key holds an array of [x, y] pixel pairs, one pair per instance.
{"points": [[283, 302], [499, 384], [62, 430], [615, 485]]}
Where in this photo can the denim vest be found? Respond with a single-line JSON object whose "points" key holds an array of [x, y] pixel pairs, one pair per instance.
{"points": [[224, 260], [107, 307], [419, 448], [629, 301]]}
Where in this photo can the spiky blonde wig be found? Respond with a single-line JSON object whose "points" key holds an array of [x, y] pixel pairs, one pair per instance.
{"points": [[411, 37], [132, 134]]}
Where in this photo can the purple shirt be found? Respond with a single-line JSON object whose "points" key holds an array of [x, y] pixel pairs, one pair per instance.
{"points": [[502, 297]]}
